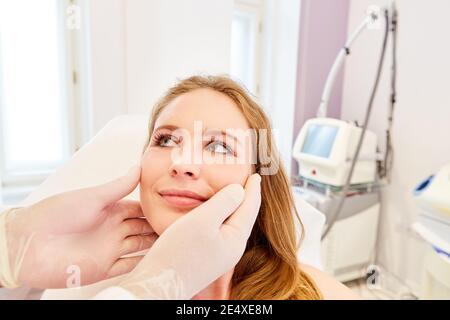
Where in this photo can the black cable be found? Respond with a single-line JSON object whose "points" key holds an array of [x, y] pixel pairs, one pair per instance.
{"points": [[361, 138], [389, 153]]}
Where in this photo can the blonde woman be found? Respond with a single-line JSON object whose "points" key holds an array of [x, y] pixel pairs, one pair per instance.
{"points": [[192, 153]]}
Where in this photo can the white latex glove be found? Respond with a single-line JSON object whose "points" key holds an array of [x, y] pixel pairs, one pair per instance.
{"points": [[196, 249], [74, 238]]}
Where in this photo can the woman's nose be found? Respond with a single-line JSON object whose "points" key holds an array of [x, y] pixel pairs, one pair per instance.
{"points": [[186, 161], [185, 170]]}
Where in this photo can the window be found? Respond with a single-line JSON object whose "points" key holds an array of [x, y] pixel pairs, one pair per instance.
{"points": [[36, 90], [245, 43]]}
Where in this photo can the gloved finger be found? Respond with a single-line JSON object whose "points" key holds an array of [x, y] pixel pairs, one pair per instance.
{"points": [[244, 217], [129, 209], [137, 243], [123, 265], [136, 226], [115, 190], [215, 210]]}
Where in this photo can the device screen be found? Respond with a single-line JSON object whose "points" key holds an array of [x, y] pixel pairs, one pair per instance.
{"points": [[319, 140]]}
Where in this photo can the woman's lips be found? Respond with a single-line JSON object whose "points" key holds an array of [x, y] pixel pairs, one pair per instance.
{"points": [[180, 201], [182, 198]]}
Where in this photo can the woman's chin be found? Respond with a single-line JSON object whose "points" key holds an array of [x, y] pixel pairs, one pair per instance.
{"points": [[161, 212], [164, 221]]}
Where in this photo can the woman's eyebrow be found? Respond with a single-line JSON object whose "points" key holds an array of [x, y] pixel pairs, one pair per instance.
{"points": [[166, 126], [206, 130], [221, 132]]}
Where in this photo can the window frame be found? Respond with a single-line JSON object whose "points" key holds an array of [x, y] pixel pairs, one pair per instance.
{"points": [[256, 8], [14, 183]]}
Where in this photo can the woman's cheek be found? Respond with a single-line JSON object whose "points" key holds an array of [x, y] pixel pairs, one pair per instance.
{"points": [[154, 164], [153, 168], [219, 176]]}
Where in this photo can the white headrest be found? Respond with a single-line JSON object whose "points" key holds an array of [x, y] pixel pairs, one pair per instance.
{"points": [[110, 154]]}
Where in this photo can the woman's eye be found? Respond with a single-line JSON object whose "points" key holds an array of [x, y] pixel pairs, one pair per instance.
{"points": [[166, 141], [219, 147]]}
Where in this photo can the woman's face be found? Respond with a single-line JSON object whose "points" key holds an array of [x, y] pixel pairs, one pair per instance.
{"points": [[196, 147]]}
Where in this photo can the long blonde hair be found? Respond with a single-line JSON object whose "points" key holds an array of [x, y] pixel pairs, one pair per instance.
{"points": [[269, 268]]}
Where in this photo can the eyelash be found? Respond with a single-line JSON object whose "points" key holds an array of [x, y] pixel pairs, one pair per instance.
{"points": [[158, 137]]}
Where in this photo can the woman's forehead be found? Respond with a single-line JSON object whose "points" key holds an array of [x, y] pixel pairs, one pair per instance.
{"points": [[207, 107]]}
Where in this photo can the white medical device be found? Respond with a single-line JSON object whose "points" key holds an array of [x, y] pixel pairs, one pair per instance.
{"points": [[432, 197], [325, 148], [433, 194], [338, 172], [348, 249]]}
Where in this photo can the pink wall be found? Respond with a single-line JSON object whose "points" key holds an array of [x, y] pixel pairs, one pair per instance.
{"points": [[323, 31]]}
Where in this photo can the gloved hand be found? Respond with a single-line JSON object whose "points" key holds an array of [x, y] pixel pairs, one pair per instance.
{"points": [[196, 249], [74, 238]]}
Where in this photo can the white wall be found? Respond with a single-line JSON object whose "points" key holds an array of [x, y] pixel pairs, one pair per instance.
{"points": [[103, 56], [170, 39], [421, 134]]}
